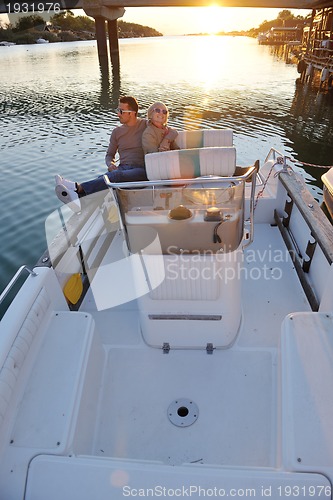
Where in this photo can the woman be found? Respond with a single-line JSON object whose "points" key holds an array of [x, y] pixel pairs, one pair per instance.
{"points": [[158, 136]]}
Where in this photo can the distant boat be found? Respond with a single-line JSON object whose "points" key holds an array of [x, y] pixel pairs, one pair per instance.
{"points": [[41, 40], [7, 44], [328, 190], [262, 38]]}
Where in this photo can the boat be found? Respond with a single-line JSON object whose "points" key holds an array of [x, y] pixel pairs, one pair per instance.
{"points": [[42, 40], [175, 338], [4, 43], [327, 179], [262, 38]]}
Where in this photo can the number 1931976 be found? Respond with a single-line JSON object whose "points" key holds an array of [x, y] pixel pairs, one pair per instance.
{"points": [[39, 7]]}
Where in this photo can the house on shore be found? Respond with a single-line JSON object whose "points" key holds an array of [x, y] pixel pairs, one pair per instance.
{"points": [[317, 41]]}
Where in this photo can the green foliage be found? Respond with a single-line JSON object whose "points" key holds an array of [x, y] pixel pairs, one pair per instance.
{"points": [[28, 22], [66, 21], [284, 18], [25, 38], [67, 28], [132, 30], [285, 14], [6, 35]]}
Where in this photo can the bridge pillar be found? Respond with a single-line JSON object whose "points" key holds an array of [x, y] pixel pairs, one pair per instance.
{"points": [[113, 43], [102, 13], [102, 48]]}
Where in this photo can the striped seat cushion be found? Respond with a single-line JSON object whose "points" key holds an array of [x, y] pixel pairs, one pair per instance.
{"points": [[190, 163], [188, 139]]}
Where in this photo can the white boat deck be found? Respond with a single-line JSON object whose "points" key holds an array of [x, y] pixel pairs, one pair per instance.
{"points": [[229, 427], [92, 403]]}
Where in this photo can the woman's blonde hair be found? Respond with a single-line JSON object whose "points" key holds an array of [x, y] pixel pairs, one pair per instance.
{"points": [[157, 104]]}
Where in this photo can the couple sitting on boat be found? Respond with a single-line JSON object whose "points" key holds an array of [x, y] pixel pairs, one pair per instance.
{"points": [[133, 139]]}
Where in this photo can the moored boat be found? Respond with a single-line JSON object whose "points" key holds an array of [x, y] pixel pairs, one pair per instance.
{"points": [[175, 339], [327, 179]]}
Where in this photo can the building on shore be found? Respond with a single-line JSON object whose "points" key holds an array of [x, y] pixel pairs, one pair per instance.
{"points": [[317, 43], [281, 35]]}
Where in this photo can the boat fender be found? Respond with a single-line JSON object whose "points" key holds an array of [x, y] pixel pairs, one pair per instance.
{"points": [[73, 288]]}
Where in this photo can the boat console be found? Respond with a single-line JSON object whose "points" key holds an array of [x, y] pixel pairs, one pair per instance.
{"points": [[189, 234]]}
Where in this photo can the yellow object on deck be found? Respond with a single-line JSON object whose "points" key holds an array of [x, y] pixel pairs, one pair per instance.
{"points": [[73, 288]]}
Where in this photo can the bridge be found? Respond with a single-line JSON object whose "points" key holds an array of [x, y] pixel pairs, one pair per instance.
{"points": [[106, 13]]}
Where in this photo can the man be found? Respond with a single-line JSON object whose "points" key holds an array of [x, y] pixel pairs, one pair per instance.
{"points": [[127, 141]]}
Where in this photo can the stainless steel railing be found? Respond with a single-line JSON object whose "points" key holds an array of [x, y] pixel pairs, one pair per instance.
{"points": [[14, 280]]}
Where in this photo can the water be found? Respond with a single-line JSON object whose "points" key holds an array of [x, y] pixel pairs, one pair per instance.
{"points": [[57, 112]]}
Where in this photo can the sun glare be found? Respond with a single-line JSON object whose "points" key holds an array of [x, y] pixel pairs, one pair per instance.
{"points": [[213, 19]]}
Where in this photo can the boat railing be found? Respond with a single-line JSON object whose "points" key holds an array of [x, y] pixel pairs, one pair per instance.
{"points": [[14, 279], [274, 154]]}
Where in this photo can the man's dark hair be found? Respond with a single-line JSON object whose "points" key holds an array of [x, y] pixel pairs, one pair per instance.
{"points": [[131, 101]]}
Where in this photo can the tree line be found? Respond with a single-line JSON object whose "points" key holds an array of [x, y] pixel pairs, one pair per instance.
{"points": [[284, 18], [64, 26]]}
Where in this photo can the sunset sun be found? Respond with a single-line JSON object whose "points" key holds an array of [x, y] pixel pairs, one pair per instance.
{"points": [[213, 19]]}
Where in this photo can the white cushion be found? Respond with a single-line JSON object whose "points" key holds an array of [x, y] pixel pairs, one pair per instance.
{"points": [[188, 139], [191, 163], [217, 161]]}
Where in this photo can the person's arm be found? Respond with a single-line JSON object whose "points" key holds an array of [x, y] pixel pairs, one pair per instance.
{"points": [[167, 142], [149, 141], [111, 151]]}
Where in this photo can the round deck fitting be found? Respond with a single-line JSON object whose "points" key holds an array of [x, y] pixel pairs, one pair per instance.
{"points": [[183, 412]]}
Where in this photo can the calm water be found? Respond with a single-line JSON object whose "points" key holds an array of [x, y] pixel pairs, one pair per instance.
{"points": [[57, 115]]}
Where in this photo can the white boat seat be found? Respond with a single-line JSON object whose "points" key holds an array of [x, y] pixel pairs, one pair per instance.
{"points": [[190, 163], [188, 139], [55, 477], [57, 380], [307, 399]]}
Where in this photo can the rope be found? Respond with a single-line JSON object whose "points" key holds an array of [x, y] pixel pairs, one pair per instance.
{"points": [[308, 164], [279, 161]]}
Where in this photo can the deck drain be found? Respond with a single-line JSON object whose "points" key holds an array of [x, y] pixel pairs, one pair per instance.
{"points": [[183, 412]]}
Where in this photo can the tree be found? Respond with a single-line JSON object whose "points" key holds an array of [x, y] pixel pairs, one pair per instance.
{"points": [[65, 20], [285, 14], [28, 22]]}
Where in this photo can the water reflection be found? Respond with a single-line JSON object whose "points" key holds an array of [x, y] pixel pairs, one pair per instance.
{"points": [[310, 128]]}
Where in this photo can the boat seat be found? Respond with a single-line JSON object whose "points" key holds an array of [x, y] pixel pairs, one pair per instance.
{"points": [[191, 163], [68, 348], [307, 399], [188, 139], [57, 478], [60, 347]]}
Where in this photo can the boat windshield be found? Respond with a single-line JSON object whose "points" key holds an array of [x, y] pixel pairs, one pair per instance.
{"points": [[191, 218]]}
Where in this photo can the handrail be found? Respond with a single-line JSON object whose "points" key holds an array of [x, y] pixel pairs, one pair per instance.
{"points": [[273, 152], [172, 182], [253, 188], [14, 279], [320, 226]]}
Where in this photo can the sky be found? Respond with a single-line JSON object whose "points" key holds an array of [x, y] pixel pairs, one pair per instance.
{"points": [[188, 20], [191, 20]]}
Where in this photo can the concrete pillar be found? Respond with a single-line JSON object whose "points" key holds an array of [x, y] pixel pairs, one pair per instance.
{"points": [[101, 38], [113, 43]]}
